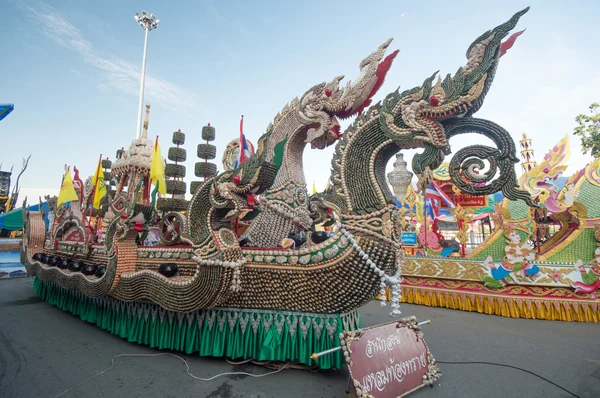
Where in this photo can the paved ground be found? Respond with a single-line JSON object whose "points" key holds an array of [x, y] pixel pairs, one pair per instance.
{"points": [[44, 351]]}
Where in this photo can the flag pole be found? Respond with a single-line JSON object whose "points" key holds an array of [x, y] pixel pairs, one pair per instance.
{"points": [[97, 174], [425, 223], [239, 163], [56, 209], [99, 220], [155, 147], [153, 194], [205, 159], [241, 156]]}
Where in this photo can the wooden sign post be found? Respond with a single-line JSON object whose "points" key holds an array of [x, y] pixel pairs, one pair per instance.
{"points": [[390, 360]]}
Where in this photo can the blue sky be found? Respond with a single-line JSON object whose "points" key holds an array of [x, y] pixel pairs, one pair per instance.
{"points": [[72, 70]]}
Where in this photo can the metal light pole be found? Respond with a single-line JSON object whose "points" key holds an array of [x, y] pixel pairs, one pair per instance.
{"points": [[148, 22]]}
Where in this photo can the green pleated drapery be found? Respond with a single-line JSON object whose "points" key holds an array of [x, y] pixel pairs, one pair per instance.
{"points": [[264, 335]]}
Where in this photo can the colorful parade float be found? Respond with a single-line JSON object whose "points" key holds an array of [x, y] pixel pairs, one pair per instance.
{"points": [[539, 261], [240, 271]]}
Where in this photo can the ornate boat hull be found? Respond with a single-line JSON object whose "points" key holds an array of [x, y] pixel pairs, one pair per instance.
{"points": [[329, 277], [288, 320]]}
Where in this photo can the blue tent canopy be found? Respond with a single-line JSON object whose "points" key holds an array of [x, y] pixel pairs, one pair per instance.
{"points": [[13, 220], [5, 109]]}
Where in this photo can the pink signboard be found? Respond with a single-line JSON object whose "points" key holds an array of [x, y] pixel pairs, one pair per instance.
{"points": [[389, 360]]}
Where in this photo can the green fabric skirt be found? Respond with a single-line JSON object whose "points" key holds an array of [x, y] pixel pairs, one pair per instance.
{"points": [[263, 335]]}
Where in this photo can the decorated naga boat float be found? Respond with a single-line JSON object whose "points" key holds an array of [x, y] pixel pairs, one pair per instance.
{"points": [[279, 290], [538, 262]]}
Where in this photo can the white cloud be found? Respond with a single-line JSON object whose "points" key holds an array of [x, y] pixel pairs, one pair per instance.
{"points": [[119, 73]]}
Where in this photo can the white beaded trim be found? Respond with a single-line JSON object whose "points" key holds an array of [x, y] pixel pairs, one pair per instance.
{"points": [[392, 281], [236, 283]]}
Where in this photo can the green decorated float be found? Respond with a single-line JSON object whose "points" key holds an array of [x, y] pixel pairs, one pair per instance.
{"points": [[539, 262]]}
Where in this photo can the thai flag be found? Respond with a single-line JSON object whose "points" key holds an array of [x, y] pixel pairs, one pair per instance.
{"points": [[244, 151], [431, 209], [434, 193]]}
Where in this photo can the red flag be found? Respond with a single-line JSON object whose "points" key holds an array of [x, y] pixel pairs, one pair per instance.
{"points": [[244, 152]]}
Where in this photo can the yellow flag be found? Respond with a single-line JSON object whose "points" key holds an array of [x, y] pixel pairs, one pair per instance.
{"points": [[99, 184], [314, 188], [157, 170], [67, 190], [419, 209]]}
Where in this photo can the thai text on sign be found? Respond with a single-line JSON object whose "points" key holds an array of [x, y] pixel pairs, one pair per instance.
{"points": [[466, 200], [394, 372], [389, 360], [409, 238]]}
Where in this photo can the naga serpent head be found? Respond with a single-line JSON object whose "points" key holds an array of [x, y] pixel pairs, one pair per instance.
{"points": [[430, 115], [463, 94], [324, 104], [425, 110]]}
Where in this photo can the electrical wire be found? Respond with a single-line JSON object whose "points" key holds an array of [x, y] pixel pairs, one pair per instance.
{"points": [[274, 365], [508, 366], [279, 368], [187, 369]]}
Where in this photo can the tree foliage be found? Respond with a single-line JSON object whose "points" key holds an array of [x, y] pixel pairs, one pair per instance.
{"points": [[588, 129]]}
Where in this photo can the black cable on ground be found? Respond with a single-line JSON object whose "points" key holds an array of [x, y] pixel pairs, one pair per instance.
{"points": [[274, 365], [508, 366]]}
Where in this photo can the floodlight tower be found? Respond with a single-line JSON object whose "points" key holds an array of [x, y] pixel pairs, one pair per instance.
{"points": [[148, 22]]}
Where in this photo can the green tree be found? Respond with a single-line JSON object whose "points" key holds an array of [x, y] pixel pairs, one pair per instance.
{"points": [[588, 129]]}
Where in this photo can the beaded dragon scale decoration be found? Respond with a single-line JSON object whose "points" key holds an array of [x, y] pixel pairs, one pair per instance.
{"points": [[428, 117], [275, 171]]}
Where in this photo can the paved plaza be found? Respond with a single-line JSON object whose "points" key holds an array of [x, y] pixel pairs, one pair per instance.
{"points": [[45, 351]]}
